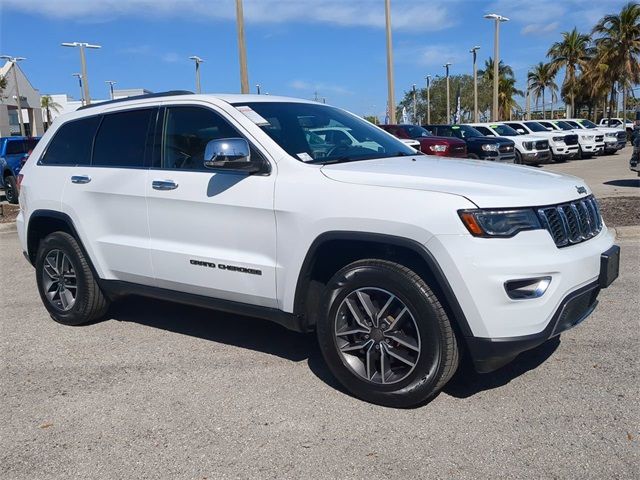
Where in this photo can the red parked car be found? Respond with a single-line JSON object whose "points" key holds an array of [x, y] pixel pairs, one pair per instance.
{"points": [[429, 144]]}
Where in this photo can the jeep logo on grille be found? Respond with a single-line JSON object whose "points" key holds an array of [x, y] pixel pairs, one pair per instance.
{"points": [[581, 189]]}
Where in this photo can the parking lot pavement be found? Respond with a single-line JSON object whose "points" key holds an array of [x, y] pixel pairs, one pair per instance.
{"points": [[608, 175], [167, 391]]}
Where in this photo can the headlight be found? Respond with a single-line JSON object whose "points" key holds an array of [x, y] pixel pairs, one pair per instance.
{"points": [[558, 139], [438, 148], [490, 147], [499, 223], [611, 134], [527, 145]]}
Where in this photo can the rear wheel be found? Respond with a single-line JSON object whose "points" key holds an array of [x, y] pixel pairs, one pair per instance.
{"points": [[518, 159], [66, 283], [11, 189], [384, 334]]}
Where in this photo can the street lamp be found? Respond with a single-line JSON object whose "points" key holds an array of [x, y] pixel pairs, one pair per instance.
{"points": [[14, 61], [197, 61], [79, 77], [83, 65], [390, 86], [111, 83], [446, 69], [474, 52], [258, 88], [242, 49], [496, 60], [428, 79]]}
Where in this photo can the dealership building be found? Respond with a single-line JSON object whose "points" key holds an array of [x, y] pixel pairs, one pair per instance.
{"points": [[29, 101]]}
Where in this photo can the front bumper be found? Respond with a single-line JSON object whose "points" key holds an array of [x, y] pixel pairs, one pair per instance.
{"points": [[537, 157], [498, 157], [564, 151], [614, 145]]}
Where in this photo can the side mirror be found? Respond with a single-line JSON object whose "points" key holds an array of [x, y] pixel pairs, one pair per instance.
{"points": [[229, 154], [520, 131], [550, 129]]}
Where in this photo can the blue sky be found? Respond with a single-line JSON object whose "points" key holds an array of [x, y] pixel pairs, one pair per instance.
{"points": [[295, 47]]}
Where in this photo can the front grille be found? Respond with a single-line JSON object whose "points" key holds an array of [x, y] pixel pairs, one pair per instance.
{"points": [[599, 138], [571, 223], [571, 139], [542, 145], [506, 148], [459, 149]]}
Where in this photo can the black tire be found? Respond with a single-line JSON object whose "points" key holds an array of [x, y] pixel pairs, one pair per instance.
{"points": [[518, 160], [473, 156], [579, 155], [436, 362], [11, 189], [90, 303]]}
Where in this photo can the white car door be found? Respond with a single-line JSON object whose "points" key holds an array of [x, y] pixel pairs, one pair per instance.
{"points": [[212, 232], [106, 199]]}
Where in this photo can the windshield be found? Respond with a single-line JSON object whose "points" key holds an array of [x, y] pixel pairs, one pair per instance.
{"points": [[504, 130], [564, 125], [322, 134], [535, 127], [414, 131], [587, 124], [574, 124], [459, 131]]}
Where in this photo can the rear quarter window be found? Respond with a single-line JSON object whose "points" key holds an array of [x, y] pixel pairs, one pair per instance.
{"points": [[71, 144], [15, 147]]}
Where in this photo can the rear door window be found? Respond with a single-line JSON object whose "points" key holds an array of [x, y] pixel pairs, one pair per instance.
{"points": [[71, 144], [122, 138], [15, 147]]}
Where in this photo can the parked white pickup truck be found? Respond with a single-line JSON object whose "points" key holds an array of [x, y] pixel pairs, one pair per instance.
{"points": [[589, 142], [530, 149], [614, 138], [563, 146]]}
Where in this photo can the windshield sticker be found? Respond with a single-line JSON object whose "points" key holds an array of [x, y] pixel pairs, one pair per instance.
{"points": [[493, 126], [456, 127], [304, 156], [252, 115]]}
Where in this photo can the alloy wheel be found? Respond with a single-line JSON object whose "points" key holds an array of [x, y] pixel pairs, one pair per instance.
{"points": [[59, 280], [377, 336]]}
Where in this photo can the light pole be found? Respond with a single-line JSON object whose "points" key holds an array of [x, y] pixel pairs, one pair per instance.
{"points": [[415, 104], [428, 79], [197, 60], [242, 49], [83, 66], [446, 69], [258, 88], [14, 66], [390, 86], [496, 60], [79, 77], [111, 83], [474, 52]]}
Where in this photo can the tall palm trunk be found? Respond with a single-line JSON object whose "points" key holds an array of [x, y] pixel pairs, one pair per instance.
{"points": [[544, 111]]}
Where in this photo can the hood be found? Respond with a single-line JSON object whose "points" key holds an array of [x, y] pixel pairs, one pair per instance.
{"points": [[487, 184], [446, 140], [486, 140]]}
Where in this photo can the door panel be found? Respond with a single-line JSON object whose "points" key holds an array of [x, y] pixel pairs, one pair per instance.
{"points": [[212, 233]]}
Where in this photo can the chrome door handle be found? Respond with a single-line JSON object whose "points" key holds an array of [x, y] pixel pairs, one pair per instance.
{"points": [[80, 179], [164, 185]]}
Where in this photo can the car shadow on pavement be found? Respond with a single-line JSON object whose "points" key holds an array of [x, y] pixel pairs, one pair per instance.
{"points": [[625, 182], [467, 382]]}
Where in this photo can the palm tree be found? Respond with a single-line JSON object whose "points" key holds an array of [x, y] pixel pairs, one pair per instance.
{"points": [[541, 78], [506, 92], [618, 48], [487, 73], [572, 53], [48, 104]]}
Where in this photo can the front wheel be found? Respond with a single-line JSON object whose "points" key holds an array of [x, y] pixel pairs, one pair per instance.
{"points": [[384, 334], [518, 160], [11, 189]]}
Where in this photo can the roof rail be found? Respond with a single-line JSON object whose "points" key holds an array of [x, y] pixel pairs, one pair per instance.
{"points": [[138, 97]]}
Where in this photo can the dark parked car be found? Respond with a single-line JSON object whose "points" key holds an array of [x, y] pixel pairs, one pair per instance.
{"points": [[13, 153], [429, 144], [496, 149]]}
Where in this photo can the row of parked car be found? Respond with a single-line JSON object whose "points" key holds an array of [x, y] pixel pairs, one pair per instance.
{"points": [[522, 142]]}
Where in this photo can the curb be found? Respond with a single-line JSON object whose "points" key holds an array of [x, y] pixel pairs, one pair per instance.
{"points": [[8, 227], [627, 232]]}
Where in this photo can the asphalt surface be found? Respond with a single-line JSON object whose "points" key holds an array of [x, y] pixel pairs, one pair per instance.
{"points": [[162, 391]]}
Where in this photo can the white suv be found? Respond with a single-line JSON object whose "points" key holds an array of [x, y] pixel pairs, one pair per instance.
{"points": [[530, 149], [589, 142], [614, 138], [398, 261], [563, 146]]}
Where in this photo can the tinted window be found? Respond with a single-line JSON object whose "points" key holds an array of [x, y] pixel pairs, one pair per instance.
{"points": [[187, 130], [71, 144], [535, 127], [414, 131], [504, 130], [15, 147], [122, 138], [484, 130]]}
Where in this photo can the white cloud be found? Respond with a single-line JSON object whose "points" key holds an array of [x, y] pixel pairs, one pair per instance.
{"points": [[320, 87], [430, 55], [540, 28], [414, 15]]}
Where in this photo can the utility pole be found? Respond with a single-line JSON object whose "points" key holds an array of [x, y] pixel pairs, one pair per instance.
{"points": [[474, 52], [528, 99], [428, 79], [496, 60], [415, 105], [197, 60], [14, 66], [390, 86], [242, 49], [446, 69], [83, 66], [111, 83], [258, 88], [79, 77]]}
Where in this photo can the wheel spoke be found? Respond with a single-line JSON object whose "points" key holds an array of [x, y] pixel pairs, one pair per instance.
{"points": [[383, 310], [398, 318], [403, 357], [63, 299], [369, 360], [404, 340], [50, 271], [357, 315], [369, 307], [51, 264], [383, 362], [355, 346], [59, 258], [68, 296], [351, 331]]}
